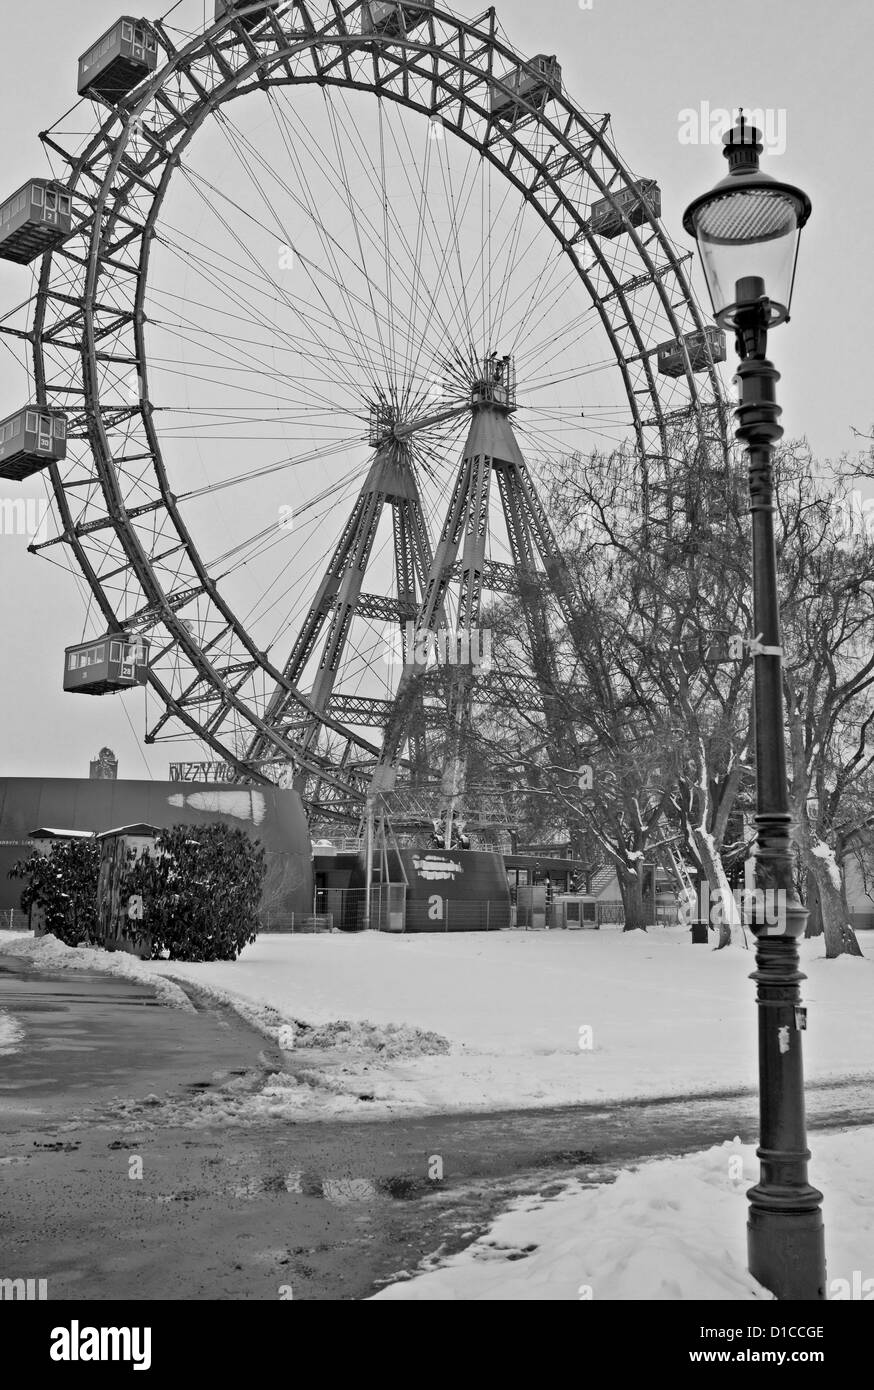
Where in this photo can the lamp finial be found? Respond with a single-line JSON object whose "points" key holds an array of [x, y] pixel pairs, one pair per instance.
{"points": [[743, 145]]}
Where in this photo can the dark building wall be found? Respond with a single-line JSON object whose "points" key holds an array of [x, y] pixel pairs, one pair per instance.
{"points": [[456, 890], [272, 815], [447, 890]]}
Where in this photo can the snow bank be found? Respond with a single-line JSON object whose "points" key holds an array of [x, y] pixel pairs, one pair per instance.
{"points": [[387, 1040], [6, 935], [673, 1229], [391, 1040], [48, 953]]}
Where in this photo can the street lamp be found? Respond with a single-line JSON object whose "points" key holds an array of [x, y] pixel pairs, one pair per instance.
{"points": [[747, 229]]}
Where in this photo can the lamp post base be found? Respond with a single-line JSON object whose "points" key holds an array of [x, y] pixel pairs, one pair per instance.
{"points": [[786, 1244], [785, 1238]]}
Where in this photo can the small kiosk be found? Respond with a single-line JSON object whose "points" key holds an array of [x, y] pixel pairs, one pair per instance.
{"points": [[120, 919], [576, 911]]}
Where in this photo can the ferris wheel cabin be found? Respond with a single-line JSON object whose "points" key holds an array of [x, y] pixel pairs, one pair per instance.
{"points": [[702, 347], [391, 17], [637, 203], [106, 664], [29, 440], [33, 220], [119, 61], [224, 8], [534, 83]]}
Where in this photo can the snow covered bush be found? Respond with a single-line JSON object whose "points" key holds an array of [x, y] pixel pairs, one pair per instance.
{"points": [[201, 892], [63, 886]]}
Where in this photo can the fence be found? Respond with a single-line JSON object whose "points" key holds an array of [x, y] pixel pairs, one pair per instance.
{"points": [[344, 909], [452, 914], [612, 913], [13, 919]]}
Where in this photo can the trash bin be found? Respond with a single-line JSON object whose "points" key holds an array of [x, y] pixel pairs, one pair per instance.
{"points": [[699, 933]]}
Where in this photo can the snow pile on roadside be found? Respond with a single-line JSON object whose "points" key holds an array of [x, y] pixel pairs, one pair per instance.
{"points": [[322, 1092], [672, 1230], [391, 1040], [11, 1033], [48, 953]]}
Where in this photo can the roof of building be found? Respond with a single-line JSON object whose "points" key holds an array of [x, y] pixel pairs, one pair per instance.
{"points": [[139, 829], [48, 833]]}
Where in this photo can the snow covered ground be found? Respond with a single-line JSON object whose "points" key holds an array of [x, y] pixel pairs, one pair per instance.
{"points": [[551, 1017], [672, 1229], [532, 1019]]}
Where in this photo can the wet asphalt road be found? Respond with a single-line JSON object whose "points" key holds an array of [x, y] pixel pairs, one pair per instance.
{"points": [[308, 1209]]}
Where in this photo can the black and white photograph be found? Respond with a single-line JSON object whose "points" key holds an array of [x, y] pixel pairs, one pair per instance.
{"points": [[439, 442]]}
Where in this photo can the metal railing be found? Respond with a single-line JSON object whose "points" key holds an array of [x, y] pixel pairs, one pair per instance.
{"points": [[344, 910], [449, 914]]}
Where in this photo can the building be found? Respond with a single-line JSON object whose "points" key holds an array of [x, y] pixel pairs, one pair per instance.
{"points": [[272, 815]]}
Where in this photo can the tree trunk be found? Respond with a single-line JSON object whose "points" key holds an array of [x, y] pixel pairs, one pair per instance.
{"points": [[631, 888], [724, 913], [814, 908], [840, 939]]}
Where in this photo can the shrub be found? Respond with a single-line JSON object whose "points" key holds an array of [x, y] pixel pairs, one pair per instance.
{"points": [[63, 884], [201, 894]]}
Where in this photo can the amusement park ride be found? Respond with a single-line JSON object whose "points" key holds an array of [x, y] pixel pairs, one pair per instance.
{"points": [[90, 230]]}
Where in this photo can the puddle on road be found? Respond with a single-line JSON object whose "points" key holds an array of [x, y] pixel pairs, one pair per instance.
{"points": [[339, 1191], [343, 1191]]}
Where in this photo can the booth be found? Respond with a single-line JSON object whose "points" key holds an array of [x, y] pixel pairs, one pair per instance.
{"points": [[120, 918], [576, 911]]}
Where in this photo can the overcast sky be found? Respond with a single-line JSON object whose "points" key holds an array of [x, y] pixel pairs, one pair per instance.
{"points": [[806, 63]]}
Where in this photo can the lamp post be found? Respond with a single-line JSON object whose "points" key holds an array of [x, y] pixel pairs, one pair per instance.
{"points": [[747, 229]]}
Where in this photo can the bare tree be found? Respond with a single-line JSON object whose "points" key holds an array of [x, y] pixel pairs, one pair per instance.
{"points": [[827, 578], [679, 579]]}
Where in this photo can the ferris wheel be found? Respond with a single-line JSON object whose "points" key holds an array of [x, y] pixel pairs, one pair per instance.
{"points": [[318, 294]]}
